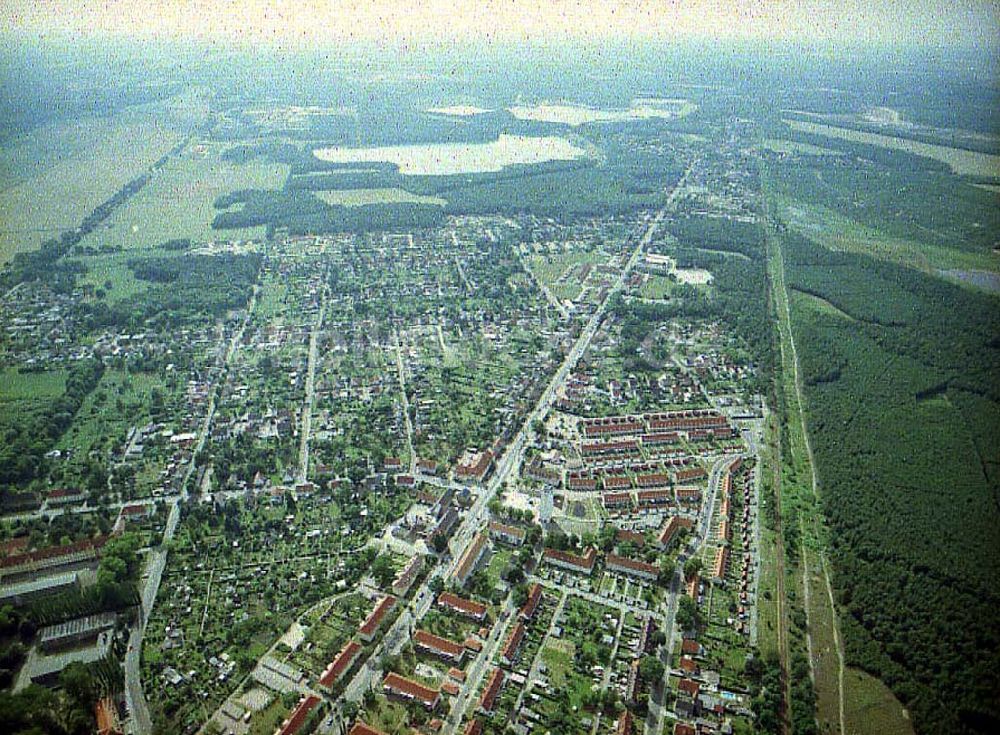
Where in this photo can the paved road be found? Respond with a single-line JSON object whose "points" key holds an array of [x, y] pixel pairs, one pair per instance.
{"points": [[139, 721], [406, 401], [480, 666], [654, 719], [307, 409]]}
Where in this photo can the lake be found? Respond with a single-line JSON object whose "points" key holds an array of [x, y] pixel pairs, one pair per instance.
{"points": [[442, 159]]}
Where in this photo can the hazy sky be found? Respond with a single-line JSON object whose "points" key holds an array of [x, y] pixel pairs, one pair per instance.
{"points": [[921, 22]]}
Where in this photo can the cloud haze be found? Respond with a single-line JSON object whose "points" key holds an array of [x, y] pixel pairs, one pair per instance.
{"points": [[920, 22]]}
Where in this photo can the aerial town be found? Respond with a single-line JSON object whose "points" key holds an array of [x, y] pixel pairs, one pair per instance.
{"points": [[559, 384], [415, 480]]}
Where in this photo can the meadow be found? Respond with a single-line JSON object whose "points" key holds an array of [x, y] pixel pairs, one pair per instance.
{"points": [[179, 201], [44, 194], [962, 162]]}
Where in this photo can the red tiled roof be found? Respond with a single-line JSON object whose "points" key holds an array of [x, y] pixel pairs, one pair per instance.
{"points": [[438, 644], [623, 562], [374, 620], [585, 562], [63, 493], [491, 691], [299, 715], [503, 529], [655, 479], [478, 467], [632, 537], [361, 728], [610, 499], [617, 482], [470, 557], [654, 496], [721, 561], [624, 724], [662, 437], [672, 528], [690, 474], [340, 664], [18, 543], [531, 604], [54, 552], [513, 642], [475, 727], [689, 687], [409, 688], [461, 605]]}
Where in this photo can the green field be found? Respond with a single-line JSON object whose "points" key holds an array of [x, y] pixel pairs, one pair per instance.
{"points": [[550, 267], [179, 201], [656, 287], [838, 232], [779, 145], [17, 386], [971, 163], [42, 198], [119, 401], [872, 708]]}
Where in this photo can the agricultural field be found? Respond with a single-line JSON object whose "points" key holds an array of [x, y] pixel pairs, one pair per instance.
{"points": [[962, 162], [44, 194], [179, 201]]}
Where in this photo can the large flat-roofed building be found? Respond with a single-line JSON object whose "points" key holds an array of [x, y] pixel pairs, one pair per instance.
{"points": [[73, 632], [21, 593]]}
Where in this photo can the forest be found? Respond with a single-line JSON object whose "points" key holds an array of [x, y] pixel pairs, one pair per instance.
{"points": [[902, 386]]}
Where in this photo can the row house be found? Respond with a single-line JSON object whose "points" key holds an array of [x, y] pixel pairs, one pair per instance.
{"points": [[632, 567], [374, 621], [399, 687], [470, 559], [462, 606], [510, 535], [575, 563]]}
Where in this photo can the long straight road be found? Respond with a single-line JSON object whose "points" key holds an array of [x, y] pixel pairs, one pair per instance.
{"points": [[511, 458], [310, 399], [401, 370]]}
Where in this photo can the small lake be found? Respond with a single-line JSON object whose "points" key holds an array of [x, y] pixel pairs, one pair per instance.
{"points": [[442, 159]]}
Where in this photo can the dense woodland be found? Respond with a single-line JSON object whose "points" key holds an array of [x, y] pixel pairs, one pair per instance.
{"points": [[902, 379]]}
